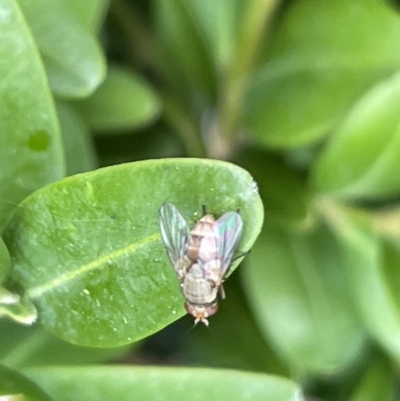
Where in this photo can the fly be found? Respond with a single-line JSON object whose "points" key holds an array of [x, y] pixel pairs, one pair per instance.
{"points": [[201, 257]]}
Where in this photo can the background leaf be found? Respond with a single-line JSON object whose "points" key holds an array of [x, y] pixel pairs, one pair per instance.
{"points": [[22, 346], [282, 189], [89, 13], [296, 284], [184, 55], [123, 101], [105, 383], [72, 57], [213, 347], [87, 249], [14, 383], [377, 383], [80, 152], [30, 144], [311, 71], [372, 263], [4, 260], [373, 126], [218, 25]]}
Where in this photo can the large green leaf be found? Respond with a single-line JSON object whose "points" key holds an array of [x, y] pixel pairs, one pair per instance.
{"points": [[297, 287], [22, 346], [79, 147], [322, 57], [123, 384], [364, 152], [87, 249], [71, 55], [123, 101], [30, 144], [16, 387]]}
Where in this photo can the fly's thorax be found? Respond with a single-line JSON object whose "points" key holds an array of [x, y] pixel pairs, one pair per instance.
{"points": [[202, 229], [201, 312], [197, 289]]}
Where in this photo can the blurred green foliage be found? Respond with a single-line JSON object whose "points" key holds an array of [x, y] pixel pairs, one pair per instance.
{"points": [[302, 94]]}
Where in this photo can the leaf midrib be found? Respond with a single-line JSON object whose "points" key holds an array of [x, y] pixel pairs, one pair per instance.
{"points": [[36, 292]]}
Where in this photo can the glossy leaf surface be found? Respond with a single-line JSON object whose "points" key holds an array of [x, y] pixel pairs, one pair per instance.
{"points": [[119, 383], [72, 57], [30, 144], [87, 249]]}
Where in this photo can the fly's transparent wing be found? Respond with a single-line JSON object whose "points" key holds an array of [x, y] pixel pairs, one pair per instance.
{"points": [[216, 251], [174, 232], [228, 229]]}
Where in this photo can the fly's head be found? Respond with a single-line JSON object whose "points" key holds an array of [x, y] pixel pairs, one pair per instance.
{"points": [[201, 312]]}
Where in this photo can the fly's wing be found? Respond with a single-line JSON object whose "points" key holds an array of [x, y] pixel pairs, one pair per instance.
{"points": [[228, 229], [216, 251], [174, 232]]}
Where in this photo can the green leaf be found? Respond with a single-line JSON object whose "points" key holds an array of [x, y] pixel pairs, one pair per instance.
{"points": [[123, 101], [87, 249], [30, 144], [372, 126], [79, 147], [319, 62], [22, 346], [376, 384], [297, 287], [186, 60], [4, 260], [120, 383], [18, 388], [373, 264], [72, 57], [218, 24], [89, 13], [244, 348], [282, 190]]}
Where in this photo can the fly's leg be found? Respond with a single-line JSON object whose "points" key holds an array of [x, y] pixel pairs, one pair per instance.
{"points": [[222, 291], [204, 209], [242, 255]]}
